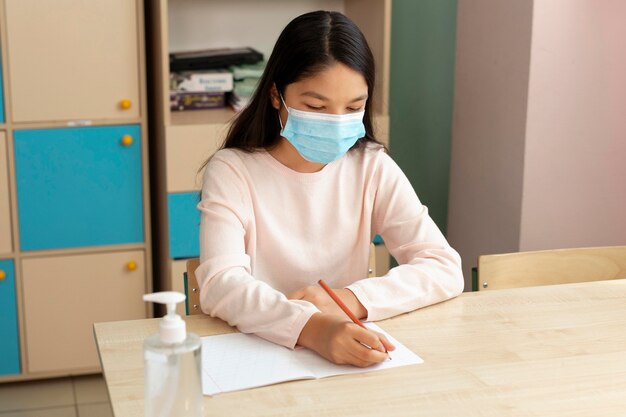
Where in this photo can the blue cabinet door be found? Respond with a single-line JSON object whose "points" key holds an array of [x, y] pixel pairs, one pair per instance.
{"points": [[184, 225], [9, 342], [79, 187]]}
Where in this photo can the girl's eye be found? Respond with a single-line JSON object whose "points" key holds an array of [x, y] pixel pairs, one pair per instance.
{"points": [[315, 107], [355, 109]]}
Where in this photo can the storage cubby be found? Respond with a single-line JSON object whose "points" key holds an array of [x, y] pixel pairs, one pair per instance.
{"points": [[79, 187], [71, 60], [9, 343], [65, 295], [75, 234]]}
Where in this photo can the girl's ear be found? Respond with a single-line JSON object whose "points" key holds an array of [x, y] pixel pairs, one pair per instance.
{"points": [[274, 97]]}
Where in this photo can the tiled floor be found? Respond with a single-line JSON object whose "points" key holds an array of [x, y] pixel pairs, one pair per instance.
{"points": [[80, 396]]}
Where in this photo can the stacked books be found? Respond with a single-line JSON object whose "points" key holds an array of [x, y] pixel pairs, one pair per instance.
{"points": [[246, 78], [204, 79], [195, 90]]}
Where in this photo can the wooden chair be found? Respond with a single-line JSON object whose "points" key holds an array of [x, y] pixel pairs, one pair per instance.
{"points": [[192, 303], [192, 291], [547, 267]]}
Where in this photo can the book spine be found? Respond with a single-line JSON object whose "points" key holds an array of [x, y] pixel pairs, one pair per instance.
{"points": [[180, 101], [200, 82]]}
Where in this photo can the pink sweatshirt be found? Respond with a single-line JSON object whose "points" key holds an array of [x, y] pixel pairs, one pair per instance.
{"points": [[267, 230]]}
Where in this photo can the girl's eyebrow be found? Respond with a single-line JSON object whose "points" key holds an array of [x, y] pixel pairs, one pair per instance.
{"points": [[314, 95], [321, 97]]}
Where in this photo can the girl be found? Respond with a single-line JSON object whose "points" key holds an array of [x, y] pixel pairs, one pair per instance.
{"points": [[296, 194]]}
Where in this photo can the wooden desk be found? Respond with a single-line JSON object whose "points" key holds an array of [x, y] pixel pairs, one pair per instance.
{"points": [[539, 351]]}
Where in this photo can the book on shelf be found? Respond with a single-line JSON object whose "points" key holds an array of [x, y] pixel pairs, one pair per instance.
{"points": [[213, 58], [246, 80], [246, 87], [219, 80], [241, 72], [196, 100]]}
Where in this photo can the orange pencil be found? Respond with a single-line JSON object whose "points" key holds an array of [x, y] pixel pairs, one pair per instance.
{"points": [[341, 305]]}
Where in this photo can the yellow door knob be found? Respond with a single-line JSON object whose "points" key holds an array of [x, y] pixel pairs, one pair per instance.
{"points": [[125, 104], [3, 275], [127, 140], [131, 265]]}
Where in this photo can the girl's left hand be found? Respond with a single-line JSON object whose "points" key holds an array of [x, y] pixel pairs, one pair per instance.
{"points": [[318, 297]]}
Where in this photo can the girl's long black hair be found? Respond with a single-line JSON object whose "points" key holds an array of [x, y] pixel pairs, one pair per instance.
{"points": [[310, 43]]}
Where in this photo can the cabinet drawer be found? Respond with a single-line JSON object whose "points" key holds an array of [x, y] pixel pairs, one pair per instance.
{"points": [[79, 187], [184, 225], [5, 206], [72, 59], [187, 148], [9, 341], [65, 295]]}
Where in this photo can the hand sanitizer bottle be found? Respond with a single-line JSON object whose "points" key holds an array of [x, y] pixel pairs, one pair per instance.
{"points": [[173, 385]]}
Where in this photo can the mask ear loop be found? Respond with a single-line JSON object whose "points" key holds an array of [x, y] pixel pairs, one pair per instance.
{"points": [[284, 104]]}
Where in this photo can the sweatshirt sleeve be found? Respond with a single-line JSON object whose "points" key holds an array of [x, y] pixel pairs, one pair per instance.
{"points": [[228, 289], [429, 270]]}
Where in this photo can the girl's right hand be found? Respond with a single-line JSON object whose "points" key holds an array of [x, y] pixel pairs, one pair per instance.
{"points": [[341, 341]]}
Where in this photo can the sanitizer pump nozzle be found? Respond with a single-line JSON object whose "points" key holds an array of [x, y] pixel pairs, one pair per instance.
{"points": [[172, 327]]}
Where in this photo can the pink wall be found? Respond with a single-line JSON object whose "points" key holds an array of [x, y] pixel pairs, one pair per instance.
{"points": [[539, 128], [574, 190]]}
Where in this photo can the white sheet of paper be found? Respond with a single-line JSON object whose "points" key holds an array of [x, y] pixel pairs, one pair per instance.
{"points": [[237, 361]]}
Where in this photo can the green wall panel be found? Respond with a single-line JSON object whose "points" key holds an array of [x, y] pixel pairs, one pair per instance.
{"points": [[421, 95]]}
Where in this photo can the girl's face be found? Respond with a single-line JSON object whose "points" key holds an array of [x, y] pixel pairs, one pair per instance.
{"points": [[335, 90]]}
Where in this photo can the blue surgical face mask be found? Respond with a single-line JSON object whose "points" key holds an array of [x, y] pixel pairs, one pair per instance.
{"points": [[322, 137]]}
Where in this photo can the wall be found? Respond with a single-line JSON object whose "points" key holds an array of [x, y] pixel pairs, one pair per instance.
{"points": [[539, 136], [421, 90], [574, 191], [491, 82]]}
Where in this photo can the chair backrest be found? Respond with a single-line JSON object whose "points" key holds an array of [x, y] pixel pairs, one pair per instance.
{"points": [[558, 266], [192, 303]]}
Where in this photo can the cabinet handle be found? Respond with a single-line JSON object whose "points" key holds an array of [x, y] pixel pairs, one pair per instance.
{"points": [[131, 265], [126, 104], [127, 140], [3, 275]]}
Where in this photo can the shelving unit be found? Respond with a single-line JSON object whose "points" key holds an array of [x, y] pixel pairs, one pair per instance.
{"points": [[75, 229], [182, 141]]}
